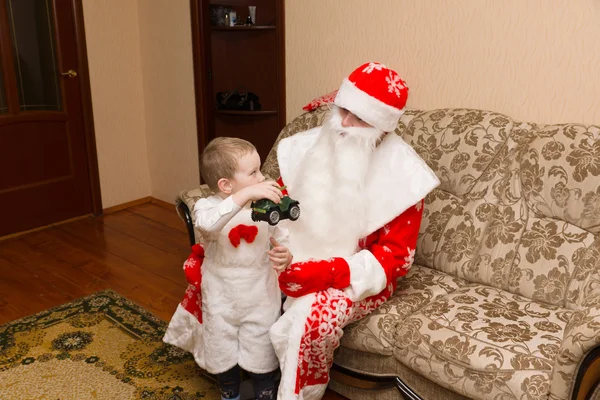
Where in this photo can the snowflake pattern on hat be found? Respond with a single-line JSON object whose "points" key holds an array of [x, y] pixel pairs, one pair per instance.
{"points": [[395, 84], [373, 66], [375, 94]]}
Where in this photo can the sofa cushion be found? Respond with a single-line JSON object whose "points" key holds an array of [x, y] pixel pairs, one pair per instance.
{"points": [[469, 151], [560, 174], [326, 99], [559, 181], [548, 257], [376, 333], [457, 144], [519, 204], [482, 342]]}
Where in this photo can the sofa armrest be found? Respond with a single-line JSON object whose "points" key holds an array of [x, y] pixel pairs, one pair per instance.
{"points": [[185, 201], [578, 356]]}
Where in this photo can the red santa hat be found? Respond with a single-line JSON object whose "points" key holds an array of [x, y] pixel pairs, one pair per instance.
{"points": [[375, 94]]}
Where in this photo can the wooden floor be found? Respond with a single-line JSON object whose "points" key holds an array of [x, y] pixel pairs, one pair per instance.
{"points": [[137, 252]]}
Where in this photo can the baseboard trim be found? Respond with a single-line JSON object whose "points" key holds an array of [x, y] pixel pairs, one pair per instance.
{"points": [[128, 204], [162, 203], [133, 203]]}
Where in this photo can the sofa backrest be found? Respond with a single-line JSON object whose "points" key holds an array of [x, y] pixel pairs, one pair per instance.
{"points": [[519, 204], [558, 255], [518, 207], [467, 149]]}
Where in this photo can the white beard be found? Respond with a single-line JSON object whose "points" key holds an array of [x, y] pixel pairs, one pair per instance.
{"points": [[330, 185]]}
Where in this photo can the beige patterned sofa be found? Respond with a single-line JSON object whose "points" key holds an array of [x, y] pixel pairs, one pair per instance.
{"points": [[503, 301]]}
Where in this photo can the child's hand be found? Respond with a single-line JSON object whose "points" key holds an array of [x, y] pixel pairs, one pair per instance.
{"points": [[264, 190], [280, 256]]}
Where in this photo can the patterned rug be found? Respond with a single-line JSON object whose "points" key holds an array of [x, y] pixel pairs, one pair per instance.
{"points": [[99, 347]]}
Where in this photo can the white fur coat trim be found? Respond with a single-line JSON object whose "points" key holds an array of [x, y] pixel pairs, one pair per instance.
{"points": [[184, 331], [367, 276], [286, 335], [397, 179]]}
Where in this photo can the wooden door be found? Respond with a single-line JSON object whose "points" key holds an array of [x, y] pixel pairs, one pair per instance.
{"points": [[48, 167]]}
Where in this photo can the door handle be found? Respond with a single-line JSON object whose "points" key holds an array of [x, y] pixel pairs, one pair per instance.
{"points": [[69, 74]]}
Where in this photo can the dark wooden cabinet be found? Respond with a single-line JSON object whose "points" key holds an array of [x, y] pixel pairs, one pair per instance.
{"points": [[250, 57]]}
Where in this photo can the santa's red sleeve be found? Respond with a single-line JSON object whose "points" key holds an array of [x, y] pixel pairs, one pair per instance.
{"points": [[385, 255]]}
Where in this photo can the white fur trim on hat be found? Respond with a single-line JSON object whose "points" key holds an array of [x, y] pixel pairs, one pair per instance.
{"points": [[371, 110]]}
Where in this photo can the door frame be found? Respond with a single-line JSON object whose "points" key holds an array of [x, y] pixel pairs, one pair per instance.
{"points": [[85, 95], [86, 103], [201, 61]]}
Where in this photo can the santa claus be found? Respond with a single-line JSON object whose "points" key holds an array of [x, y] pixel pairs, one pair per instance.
{"points": [[361, 189]]}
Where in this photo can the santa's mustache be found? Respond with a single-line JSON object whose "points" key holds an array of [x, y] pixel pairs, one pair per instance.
{"points": [[363, 136]]}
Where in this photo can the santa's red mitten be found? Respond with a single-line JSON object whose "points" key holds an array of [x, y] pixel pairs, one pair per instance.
{"points": [[192, 266], [313, 276]]}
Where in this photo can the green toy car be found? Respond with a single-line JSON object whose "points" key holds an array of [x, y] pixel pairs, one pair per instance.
{"points": [[266, 210]]}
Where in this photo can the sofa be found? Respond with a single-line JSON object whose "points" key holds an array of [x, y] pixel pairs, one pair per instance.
{"points": [[503, 299]]}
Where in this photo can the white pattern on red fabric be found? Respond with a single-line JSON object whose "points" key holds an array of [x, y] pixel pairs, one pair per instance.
{"points": [[319, 101], [419, 205], [395, 84], [373, 67], [410, 258], [386, 229], [189, 263], [331, 311], [192, 301], [293, 287]]}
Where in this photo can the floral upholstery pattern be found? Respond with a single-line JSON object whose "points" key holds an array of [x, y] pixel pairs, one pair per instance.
{"points": [[189, 197], [484, 343], [419, 287], [503, 301]]}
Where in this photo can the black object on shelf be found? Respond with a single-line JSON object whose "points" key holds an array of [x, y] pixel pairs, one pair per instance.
{"points": [[240, 112], [243, 28], [235, 100]]}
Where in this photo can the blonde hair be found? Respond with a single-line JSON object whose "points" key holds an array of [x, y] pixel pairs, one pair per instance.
{"points": [[220, 159]]}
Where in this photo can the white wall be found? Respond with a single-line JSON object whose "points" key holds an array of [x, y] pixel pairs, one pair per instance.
{"points": [[113, 42], [168, 80], [535, 60]]}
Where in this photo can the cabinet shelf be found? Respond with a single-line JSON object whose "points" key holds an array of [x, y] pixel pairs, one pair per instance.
{"points": [[243, 28], [226, 57], [240, 112]]}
